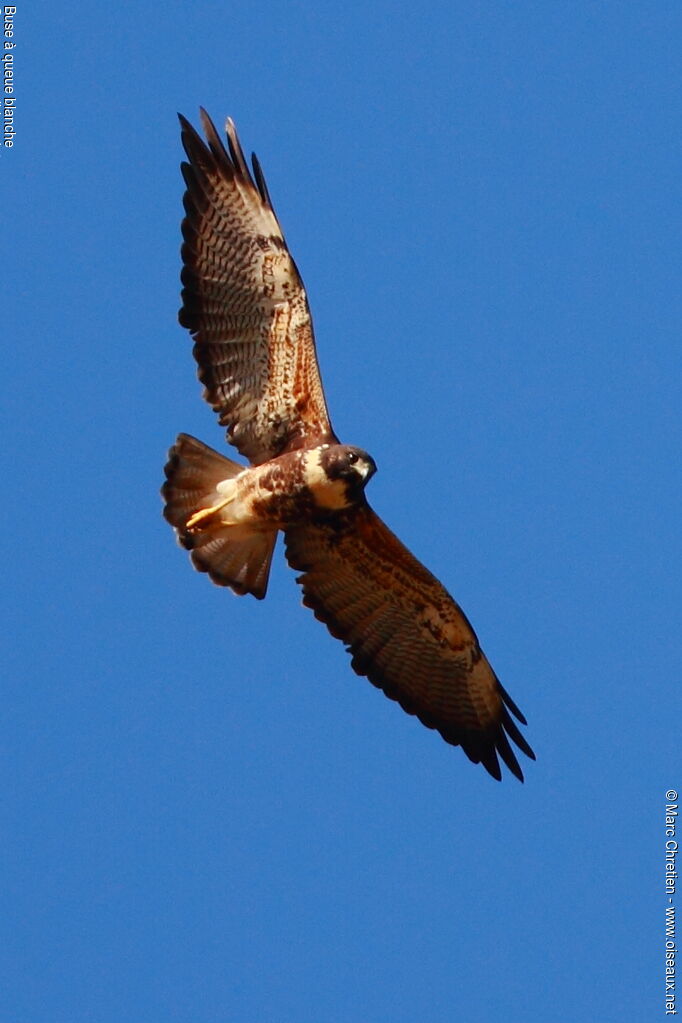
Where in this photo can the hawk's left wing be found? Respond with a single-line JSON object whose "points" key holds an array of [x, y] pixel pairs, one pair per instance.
{"points": [[406, 633]]}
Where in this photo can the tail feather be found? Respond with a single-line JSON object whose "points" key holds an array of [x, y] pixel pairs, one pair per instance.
{"points": [[193, 471], [237, 556], [234, 556]]}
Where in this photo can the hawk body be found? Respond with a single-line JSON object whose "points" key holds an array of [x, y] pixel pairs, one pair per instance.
{"points": [[246, 307]]}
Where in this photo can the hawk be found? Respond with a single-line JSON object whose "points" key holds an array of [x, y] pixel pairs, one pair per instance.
{"points": [[245, 305]]}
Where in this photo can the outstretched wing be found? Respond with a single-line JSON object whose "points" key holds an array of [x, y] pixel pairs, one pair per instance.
{"points": [[245, 304], [406, 633]]}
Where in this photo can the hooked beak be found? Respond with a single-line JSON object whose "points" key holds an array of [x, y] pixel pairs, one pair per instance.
{"points": [[371, 468]]}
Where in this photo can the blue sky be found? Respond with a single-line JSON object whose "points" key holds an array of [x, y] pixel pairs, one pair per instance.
{"points": [[208, 817]]}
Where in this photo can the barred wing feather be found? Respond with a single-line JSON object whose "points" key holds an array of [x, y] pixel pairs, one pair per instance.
{"points": [[245, 304], [405, 633]]}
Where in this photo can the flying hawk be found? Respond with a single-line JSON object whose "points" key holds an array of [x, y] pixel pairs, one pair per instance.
{"points": [[245, 305]]}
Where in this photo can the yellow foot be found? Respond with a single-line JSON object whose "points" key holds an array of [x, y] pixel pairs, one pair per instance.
{"points": [[200, 516]]}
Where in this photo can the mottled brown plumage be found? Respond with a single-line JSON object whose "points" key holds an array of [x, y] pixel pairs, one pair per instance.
{"points": [[405, 632], [245, 305]]}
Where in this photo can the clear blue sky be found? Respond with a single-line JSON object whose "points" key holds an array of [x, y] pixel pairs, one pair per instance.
{"points": [[208, 817]]}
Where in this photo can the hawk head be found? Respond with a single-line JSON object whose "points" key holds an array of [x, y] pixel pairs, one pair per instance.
{"points": [[352, 465], [336, 474]]}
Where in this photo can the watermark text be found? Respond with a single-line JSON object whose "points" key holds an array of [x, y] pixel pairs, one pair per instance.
{"points": [[9, 100], [671, 850]]}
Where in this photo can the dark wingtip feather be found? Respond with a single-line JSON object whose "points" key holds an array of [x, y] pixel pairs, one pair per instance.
{"points": [[192, 141], [260, 180], [515, 735], [510, 703], [236, 151], [491, 763], [215, 145], [507, 754]]}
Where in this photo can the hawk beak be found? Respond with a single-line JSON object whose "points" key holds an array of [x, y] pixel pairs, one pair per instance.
{"points": [[371, 469]]}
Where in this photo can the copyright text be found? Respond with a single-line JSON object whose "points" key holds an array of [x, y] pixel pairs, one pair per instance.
{"points": [[671, 849]]}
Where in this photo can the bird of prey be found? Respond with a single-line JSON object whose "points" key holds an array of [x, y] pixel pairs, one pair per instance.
{"points": [[245, 305]]}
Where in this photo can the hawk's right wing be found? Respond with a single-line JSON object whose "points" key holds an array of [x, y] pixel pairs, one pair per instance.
{"points": [[245, 304]]}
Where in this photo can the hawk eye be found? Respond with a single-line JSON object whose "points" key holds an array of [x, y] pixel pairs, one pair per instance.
{"points": [[352, 457]]}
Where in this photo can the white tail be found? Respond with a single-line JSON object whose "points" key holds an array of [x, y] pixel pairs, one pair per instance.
{"points": [[238, 556]]}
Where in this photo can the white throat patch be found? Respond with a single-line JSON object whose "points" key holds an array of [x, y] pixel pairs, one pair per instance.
{"points": [[327, 493]]}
